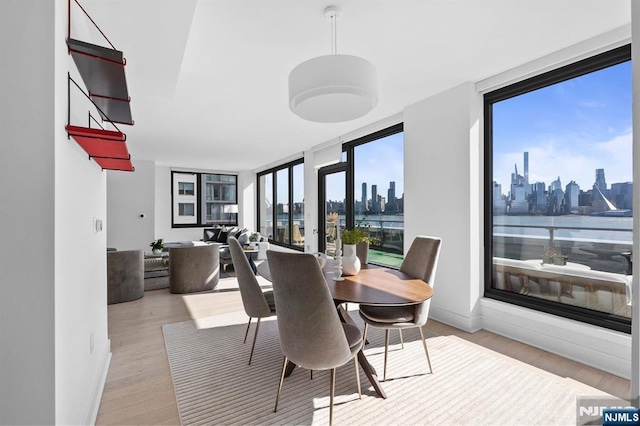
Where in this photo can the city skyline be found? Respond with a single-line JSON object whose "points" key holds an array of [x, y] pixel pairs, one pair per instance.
{"points": [[570, 129]]}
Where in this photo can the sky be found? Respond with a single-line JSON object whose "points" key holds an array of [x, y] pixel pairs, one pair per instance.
{"points": [[376, 163], [569, 129]]}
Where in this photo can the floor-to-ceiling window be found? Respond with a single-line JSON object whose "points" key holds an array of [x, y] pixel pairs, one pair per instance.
{"points": [[559, 190], [281, 204], [374, 166]]}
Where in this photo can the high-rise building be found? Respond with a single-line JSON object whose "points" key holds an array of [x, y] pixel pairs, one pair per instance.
{"points": [[572, 194], [391, 206], [556, 197], [600, 192], [375, 203], [520, 189], [601, 182], [539, 198], [364, 195], [499, 203], [621, 195]]}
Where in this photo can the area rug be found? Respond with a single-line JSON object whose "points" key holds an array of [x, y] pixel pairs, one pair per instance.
{"points": [[470, 385]]}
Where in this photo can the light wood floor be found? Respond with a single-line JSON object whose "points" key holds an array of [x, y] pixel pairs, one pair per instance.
{"points": [[139, 389]]}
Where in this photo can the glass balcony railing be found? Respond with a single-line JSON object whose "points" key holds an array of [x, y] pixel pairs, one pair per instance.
{"points": [[585, 266]]}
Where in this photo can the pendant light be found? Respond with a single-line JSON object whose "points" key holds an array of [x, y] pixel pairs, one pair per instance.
{"points": [[333, 88]]}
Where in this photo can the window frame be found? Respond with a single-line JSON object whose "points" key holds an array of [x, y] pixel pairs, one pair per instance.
{"points": [[349, 149], [200, 202], [274, 188], [585, 66]]}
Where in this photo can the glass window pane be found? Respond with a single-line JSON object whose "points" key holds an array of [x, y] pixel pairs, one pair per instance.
{"points": [[379, 196], [562, 192], [206, 194], [282, 194], [298, 205], [334, 199], [186, 209], [266, 205]]}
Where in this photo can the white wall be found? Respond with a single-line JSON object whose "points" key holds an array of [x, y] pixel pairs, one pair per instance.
{"points": [[53, 265], [130, 195], [27, 369], [442, 196]]}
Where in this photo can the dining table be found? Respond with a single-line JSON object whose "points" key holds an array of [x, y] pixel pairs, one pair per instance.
{"points": [[373, 285]]}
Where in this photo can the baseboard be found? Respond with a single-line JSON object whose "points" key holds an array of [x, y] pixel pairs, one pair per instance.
{"points": [[468, 324], [98, 387], [601, 348]]}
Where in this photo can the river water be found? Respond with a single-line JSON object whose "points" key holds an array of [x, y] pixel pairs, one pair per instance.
{"points": [[593, 228]]}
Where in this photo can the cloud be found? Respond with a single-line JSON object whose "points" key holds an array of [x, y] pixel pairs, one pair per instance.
{"points": [[551, 158]]}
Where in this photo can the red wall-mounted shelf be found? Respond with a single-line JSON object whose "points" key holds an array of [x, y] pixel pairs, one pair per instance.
{"points": [[106, 147]]}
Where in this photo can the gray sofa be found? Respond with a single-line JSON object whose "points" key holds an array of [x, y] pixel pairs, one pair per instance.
{"points": [[220, 234]]}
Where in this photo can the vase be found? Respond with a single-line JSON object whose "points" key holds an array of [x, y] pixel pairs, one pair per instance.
{"points": [[362, 251], [350, 262], [156, 251]]}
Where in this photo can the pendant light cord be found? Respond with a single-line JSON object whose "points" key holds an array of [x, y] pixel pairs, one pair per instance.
{"points": [[334, 38]]}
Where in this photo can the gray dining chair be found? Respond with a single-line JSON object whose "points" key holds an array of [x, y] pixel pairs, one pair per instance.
{"points": [[311, 333], [421, 261], [257, 304]]}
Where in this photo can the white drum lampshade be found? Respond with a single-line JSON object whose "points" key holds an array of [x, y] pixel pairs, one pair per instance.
{"points": [[333, 88]]}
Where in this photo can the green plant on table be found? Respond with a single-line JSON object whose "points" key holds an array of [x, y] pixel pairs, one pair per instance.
{"points": [[354, 236], [360, 234], [157, 245]]}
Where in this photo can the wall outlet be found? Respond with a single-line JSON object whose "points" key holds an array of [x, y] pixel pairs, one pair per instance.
{"points": [[91, 345]]}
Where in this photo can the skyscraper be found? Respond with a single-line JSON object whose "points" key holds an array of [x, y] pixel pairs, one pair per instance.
{"points": [[364, 196], [375, 204], [601, 182], [599, 204], [391, 206]]}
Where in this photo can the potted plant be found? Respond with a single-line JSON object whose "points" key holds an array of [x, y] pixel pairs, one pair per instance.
{"points": [[363, 239], [553, 256], [354, 236], [253, 239], [350, 261], [156, 246]]}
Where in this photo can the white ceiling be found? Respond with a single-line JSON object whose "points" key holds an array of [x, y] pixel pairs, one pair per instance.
{"points": [[208, 78]]}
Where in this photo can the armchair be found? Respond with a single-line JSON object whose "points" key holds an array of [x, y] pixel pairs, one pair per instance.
{"points": [[194, 268]]}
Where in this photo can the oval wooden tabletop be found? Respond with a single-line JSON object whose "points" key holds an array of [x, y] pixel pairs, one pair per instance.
{"points": [[374, 285], [378, 285]]}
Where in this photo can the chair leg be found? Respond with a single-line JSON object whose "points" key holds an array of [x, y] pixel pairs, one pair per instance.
{"points": [[246, 333], [386, 349], [355, 359], [424, 343], [284, 366], [364, 334], [333, 388], [401, 339], [254, 340]]}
